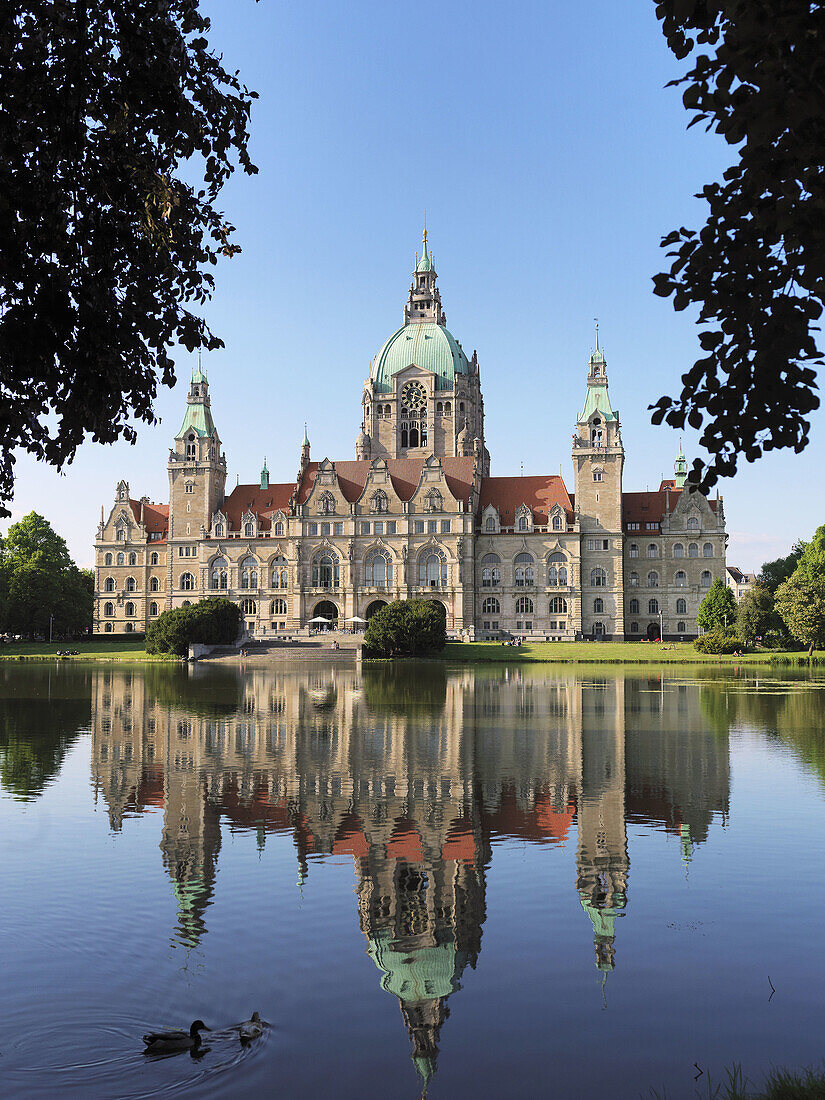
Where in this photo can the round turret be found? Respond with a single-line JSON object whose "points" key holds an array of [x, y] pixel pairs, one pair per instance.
{"points": [[363, 445]]}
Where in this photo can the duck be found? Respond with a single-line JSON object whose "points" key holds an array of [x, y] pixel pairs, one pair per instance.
{"points": [[170, 1042], [250, 1029]]}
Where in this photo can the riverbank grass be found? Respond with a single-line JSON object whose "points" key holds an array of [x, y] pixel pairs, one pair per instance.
{"points": [[780, 1084], [98, 650], [613, 653]]}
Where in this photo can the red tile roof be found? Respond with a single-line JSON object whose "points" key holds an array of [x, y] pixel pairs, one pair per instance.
{"points": [[650, 507], [263, 502], [155, 517], [405, 474], [539, 493]]}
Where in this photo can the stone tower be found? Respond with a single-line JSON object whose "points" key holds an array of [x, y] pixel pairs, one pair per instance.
{"points": [[598, 461], [197, 467], [423, 394]]}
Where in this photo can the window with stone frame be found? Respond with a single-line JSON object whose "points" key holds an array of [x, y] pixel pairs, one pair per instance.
{"points": [[490, 571], [378, 568], [681, 607], [678, 550], [524, 605], [379, 502], [558, 606], [219, 574], [279, 572], [432, 569], [681, 579], [325, 570], [524, 570], [326, 504], [491, 606], [248, 572], [598, 578], [187, 582]]}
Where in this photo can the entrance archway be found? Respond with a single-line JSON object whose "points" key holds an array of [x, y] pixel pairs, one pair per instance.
{"points": [[376, 605], [326, 609], [653, 632]]}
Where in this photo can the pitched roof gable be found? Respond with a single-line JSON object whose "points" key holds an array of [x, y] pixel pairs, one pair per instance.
{"points": [[540, 494]]}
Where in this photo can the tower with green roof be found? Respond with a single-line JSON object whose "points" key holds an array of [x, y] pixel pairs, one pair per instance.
{"points": [[680, 468], [197, 466], [423, 394]]}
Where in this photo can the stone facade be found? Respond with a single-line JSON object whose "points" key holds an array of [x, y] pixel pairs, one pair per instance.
{"points": [[417, 514]]}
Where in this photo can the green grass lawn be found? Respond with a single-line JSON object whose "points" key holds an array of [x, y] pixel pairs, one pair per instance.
{"points": [[95, 649], [613, 652]]}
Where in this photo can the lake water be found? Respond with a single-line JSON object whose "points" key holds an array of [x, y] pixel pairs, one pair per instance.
{"points": [[489, 882]]}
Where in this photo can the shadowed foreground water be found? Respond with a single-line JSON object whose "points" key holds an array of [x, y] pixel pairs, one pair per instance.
{"points": [[492, 882]]}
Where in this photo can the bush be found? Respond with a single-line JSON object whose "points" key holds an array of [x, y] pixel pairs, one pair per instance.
{"points": [[717, 641], [407, 628], [209, 622]]}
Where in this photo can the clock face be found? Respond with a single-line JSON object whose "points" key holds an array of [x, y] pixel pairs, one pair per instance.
{"points": [[414, 395]]}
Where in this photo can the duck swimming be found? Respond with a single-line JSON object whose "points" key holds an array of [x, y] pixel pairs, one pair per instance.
{"points": [[170, 1042], [250, 1029]]}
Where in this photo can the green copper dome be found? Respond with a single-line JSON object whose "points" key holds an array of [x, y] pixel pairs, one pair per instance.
{"points": [[426, 344]]}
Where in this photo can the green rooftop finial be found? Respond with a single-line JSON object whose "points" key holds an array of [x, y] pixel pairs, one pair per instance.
{"points": [[680, 467], [199, 375], [264, 476], [425, 263], [306, 437]]}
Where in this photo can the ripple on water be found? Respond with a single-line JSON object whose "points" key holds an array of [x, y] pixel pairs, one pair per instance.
{"points": [[106, 1059]]}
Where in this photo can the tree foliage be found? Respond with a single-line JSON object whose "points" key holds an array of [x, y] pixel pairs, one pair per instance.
{"points": [[407, 628], [801, 603], [41, 589], [208, 622], [773, 573], [111, 109], [756, 269], [755, 614], [717, 610]]}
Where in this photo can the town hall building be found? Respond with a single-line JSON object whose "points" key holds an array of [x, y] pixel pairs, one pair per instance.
{"points": [[417, 514]]}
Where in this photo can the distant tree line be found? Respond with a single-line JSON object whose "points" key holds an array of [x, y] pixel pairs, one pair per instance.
{"points": [[42, 591], [786, 606]]}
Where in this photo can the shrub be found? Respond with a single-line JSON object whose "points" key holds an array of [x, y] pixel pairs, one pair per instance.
{"points": [[407, 628], [717, 641], [210, 622]]}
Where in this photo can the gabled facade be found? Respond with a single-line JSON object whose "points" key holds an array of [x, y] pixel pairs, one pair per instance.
{"points": [[417, 514]]}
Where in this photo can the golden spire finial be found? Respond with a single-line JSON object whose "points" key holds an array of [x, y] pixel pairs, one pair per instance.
{"points": [[425, 234]]}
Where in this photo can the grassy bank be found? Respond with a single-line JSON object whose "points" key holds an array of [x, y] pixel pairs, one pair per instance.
{"points": [[780, 1084], [93, 650], [614, 653]]}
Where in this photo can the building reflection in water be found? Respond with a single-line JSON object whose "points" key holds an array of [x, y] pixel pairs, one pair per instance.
{"points": [[414, 773]]}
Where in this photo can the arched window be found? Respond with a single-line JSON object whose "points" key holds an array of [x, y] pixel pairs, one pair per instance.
{"points": [[523, 522], [596, 432], [693, 550], [249, 572], [598, 630], [109, 584], [525, 576], [433, 501], [652, 550], [448, 408], [109, 627], [598, 606], [190, 445], [707, 550], [249, 529], [404, 436], [432, 569], [187, 582], [634, 580], [414, 435], [490, 523], [218, 530], [107, 560], [130, 610], [678, 550], [325, 570], [133, 558], [153, 558], [280, 572], [634, 607], [557, 522], [378, 569], [249, 607], [153, 610], [633, 550], [121, 559], [653, 607], [219, 574], [634, 628], [120, 534], [681, 579], [598, 578], [556, 570], [707, 579], [693, 524], [681, 607], [154, 584], [490, 571], [524, 606], [108, 610], [131, 584], [653, 580], [278, 607], [680, 628], [379, 502], [129, 628], [279, 529], [558, 606], [491, 606]]}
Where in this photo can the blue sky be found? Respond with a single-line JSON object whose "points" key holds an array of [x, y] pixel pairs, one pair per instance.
{"points": [[550, 159]]}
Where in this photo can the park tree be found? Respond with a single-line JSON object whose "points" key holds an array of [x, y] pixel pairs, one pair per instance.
{"points": [[812, 558], [717, 611], [755, 614], [801, 603], [755, 271], [773, 573], [208, 622], [120, 125], [407, 628]]}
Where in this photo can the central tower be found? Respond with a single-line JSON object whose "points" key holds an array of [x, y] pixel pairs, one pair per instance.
{"points": [[423, 395]]}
